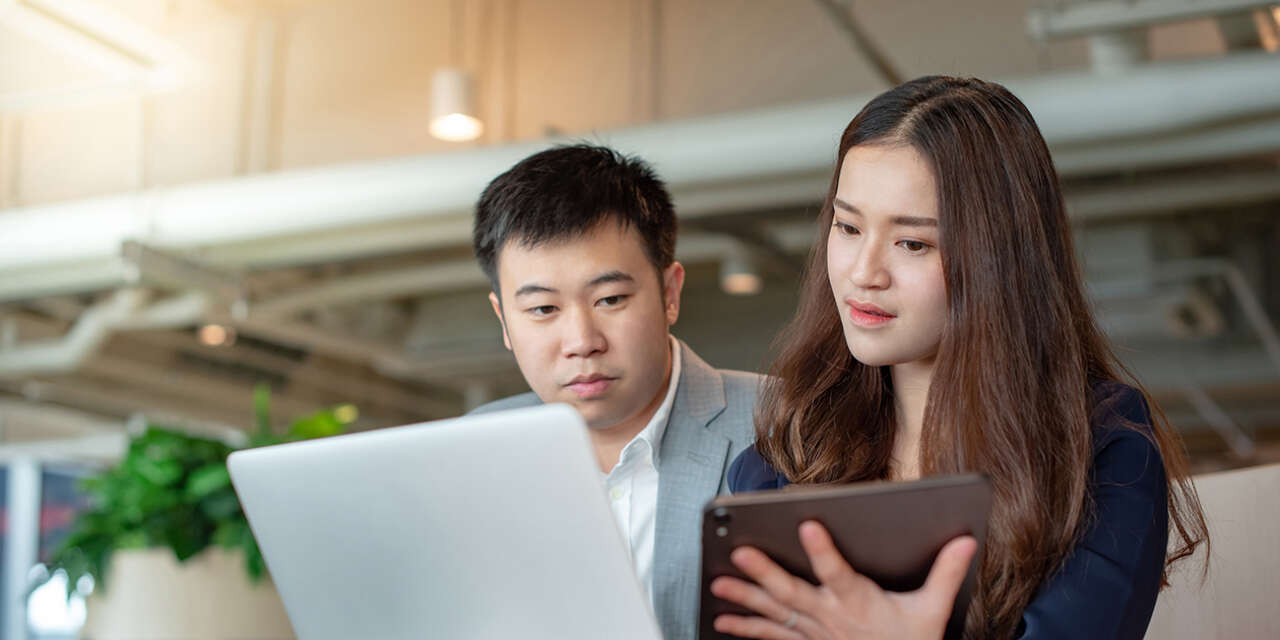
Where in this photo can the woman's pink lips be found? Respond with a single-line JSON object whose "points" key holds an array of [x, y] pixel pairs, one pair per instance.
{"points": [[868, 315], [591, 387]]}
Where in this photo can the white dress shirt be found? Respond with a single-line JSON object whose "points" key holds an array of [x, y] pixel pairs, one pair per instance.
{"points": [[632, 484]]}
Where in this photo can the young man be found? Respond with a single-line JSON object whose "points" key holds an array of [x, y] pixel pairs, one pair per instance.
{"points": [[579, 245]]}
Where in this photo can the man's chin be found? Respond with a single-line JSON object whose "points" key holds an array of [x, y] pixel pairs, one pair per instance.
{"points": [[596, 416]]}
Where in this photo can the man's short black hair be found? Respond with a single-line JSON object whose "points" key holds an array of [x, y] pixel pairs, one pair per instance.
{"points": [[566, 191]]}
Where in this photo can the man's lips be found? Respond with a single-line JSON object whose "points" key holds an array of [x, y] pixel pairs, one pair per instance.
{"points": [[866, 314], [590, 386]]}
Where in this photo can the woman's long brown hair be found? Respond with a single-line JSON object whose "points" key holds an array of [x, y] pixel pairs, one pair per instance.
{"points": [[1011, 391]]}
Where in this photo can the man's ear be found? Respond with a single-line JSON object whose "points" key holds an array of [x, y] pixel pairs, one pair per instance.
{"points": [[497, 311], [672, 285]]}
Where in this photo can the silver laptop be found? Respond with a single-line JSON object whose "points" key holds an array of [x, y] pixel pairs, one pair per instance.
{"points": [[493, 526]]}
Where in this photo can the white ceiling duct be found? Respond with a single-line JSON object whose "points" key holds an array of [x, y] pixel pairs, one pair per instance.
{"points": [[776, 157]]}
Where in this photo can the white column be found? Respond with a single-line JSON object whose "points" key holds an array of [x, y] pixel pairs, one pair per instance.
{"points": [[23, 543]]}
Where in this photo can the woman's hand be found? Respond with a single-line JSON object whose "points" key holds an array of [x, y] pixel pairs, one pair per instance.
{"points": [[845, 605]]}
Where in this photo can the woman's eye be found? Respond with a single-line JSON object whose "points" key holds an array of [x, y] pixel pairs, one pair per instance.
{"points": [[846, 229], [914, 246]]}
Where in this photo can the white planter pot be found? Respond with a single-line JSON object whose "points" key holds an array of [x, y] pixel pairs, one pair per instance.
{"points": [[150, 596]]}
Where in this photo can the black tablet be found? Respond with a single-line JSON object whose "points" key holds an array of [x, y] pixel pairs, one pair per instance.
{"points": [[888, 531]]}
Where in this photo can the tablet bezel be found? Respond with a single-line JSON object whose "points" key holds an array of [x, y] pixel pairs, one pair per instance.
{"points": [[888, 531]]}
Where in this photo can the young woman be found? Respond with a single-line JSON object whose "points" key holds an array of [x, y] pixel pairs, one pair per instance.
{"points": [[943, 328]]}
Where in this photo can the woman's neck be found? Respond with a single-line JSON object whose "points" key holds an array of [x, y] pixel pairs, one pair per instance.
{"points": [[910, 394]]}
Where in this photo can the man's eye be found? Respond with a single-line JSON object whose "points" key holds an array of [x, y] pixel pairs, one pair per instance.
{"points": [[543, 310], [611, 301]]}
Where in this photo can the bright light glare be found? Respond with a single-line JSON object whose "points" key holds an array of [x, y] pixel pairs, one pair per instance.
{"points": [[456, 127], [50, 612], [741, 284], [1268, 23], [346, 413], [216, 335]]}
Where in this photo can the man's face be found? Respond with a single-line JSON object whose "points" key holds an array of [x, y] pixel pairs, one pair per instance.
{"points": [[587, 319]]}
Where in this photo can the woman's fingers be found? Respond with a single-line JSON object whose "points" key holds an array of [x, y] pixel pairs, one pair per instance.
{"points": [[750, 596], [758, 600], [829, 566], [948, 571], [753, 627], [792, 592]]}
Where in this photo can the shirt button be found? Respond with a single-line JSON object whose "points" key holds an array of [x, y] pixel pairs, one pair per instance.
{"points": [[615, 493]]}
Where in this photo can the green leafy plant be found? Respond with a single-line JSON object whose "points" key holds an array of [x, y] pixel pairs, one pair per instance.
{"points": [[172, 490]]}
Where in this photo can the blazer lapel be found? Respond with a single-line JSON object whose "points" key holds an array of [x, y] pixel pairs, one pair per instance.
{"points": [[691, 469]]}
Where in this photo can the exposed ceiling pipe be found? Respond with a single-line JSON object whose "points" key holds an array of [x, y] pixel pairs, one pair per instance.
{"points": [[720, 155], [179, 311], [1117, 51], [1174, 195], [1070, 19], [1166, 196], [123, 310], [85, 337], [461, 275], [1247, 137]]}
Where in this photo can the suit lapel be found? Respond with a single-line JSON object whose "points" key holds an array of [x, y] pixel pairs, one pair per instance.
{"points": [[691, 470]]}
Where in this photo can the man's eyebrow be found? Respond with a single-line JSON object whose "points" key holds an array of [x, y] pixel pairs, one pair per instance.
{"points": [[610, 276], [901, 221], [530, 289]]}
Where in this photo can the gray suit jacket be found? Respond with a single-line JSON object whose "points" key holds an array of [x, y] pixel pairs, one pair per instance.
{"points": [[711, 422]]}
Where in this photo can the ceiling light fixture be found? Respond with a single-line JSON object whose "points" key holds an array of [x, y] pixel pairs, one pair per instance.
{"points": [[216, 335], [453, 108], [739, 274]]}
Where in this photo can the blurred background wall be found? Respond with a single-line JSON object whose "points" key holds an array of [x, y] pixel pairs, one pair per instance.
{"points": [[197, 196]]}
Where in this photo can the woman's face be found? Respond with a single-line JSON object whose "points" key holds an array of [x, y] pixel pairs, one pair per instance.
{"points": [[882, 256]]}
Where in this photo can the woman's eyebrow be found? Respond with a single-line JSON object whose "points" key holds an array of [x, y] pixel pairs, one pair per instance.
{"points": [[901, 221], [841, 204], [914, 221]]}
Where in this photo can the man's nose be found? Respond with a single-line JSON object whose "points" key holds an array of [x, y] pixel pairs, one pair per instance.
{"points": [[582, 336]]}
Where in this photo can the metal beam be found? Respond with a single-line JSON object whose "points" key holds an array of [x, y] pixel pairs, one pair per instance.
{"points": [[337, 380], [104, 448], [1235, 139], [149, 266], [64, 278], [1173, 195], [1065, 20], [717, 154], [1187, 269], [1240, 442], [842, 14]]}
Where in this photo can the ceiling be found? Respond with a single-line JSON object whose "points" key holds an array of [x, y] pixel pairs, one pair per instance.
{"points": [[265, 166]]}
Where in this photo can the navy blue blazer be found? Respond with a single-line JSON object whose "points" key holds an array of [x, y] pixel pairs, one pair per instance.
{"points": [[1107, 586]]}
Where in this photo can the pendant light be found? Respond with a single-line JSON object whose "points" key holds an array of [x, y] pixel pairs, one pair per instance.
{"points": [[453, 110]]}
